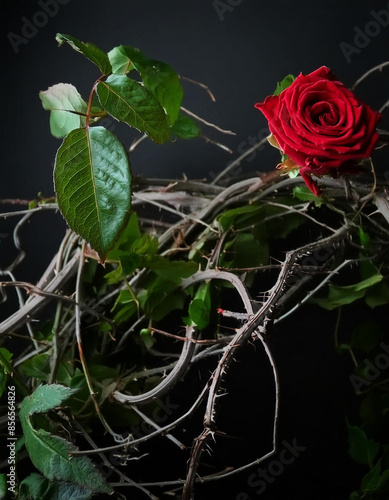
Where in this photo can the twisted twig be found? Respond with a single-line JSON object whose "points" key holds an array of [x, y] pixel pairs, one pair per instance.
{"points": [[256, 324]]}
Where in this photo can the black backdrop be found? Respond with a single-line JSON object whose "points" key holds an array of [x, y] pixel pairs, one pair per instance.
{"points": [[240, 49]]}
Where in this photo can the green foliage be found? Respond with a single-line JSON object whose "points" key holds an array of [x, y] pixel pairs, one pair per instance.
{"points": [[303, 193], [51, 454], [240, 217], [37, 487], [89, 50], [342, 295], [362, 449], [284, 84], [185, 128], [201, 306], [5, 367], [158, 77], [3, 486], [92, 172], [129, 102], [67, 108], [245, 250], [92, 181], [37, 367]]}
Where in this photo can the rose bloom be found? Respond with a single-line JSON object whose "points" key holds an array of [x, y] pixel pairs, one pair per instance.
{"points": [[321, 126]]}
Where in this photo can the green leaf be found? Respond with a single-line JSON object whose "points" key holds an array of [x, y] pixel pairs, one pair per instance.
{"points": [[90, 51], [163, 296], [292, 173], [158, 77], [115, 276], [5, 367], [362, 449], [285, 83], [281, 222], [147, 338], [383, 485], [130, 233], [343, 295], [120, 62], [50, 454], [245, 250], [93, 184], [36, 487], [3, 486], [133, 257], [125, 307], [130, 102], [200, 307], [145, 245], [185, 128], [239, 217], [303, 193], [66, 107], [372, 479], [43, 399], [171, 270], [377, 295], [364, 237], [37, 367]]}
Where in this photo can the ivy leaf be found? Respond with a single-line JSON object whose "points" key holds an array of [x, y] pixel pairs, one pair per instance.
{"points": [[245, 250], [343, 295], [372, 479], [120, 62], [185, 128], [50, 454], [163, 298], [362, 449], [5, 367], [3, 486], [239, 217], [36, 487], [158, 77], [66, 107], [364, 237], [171, 270], [303, 193], [200, 307], [377, 295], [147, 338], [128, 101], [284, 84], [125, 306], [130, 233], [92, 180], [37, 367], [90, 51]]}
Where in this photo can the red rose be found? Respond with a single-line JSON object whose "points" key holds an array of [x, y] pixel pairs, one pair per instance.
{"points": [[321, 125]]}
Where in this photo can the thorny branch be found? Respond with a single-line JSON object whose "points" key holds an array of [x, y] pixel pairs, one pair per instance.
{"points": [[195, 205]]}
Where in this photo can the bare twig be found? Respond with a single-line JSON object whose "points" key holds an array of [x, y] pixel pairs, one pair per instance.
{"points": [[20, 317], [193, 115], [379, 67], [202, 85]]}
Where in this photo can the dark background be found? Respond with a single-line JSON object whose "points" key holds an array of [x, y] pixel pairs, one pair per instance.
{"points": [[240, 53]]}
